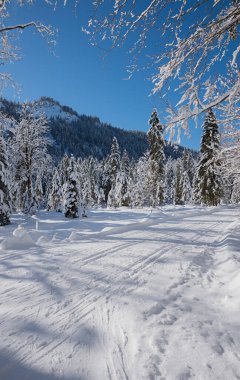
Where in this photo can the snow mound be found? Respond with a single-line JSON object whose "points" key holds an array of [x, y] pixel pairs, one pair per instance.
{"points": [[73, 236], [20, 240], [42, 240], [55, 238], [20, 231]]}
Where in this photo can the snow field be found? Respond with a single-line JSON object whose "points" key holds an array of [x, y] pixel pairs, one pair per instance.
{"points": [[124, 294]]}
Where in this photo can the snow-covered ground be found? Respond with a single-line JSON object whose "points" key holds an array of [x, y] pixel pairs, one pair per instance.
{"points": [[124, 294]]}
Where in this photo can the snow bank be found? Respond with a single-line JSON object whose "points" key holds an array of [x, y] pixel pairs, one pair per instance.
{"points": [[20, 240]]}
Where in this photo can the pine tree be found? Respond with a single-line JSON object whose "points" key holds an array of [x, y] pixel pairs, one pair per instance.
{"points": [[4, 186], [208, 177], [71, 200], [156, 160]]}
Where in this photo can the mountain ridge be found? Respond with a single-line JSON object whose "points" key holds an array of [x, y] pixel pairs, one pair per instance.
{"points": [[84, 135]]}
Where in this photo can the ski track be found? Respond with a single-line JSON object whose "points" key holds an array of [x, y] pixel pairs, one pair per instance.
{"points": [[134, 302]]}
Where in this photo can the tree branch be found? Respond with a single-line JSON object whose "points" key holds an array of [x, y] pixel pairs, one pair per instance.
{"points": [[20, 26]]}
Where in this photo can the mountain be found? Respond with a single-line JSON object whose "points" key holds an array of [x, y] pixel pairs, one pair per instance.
{"points": [[83, 135]]}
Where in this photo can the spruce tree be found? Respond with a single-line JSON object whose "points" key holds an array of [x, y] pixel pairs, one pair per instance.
{"points": [[4, 186], [114, 161], [105, 178], [71, 200], [122, 182], [178, 184], [63, 168], [156, 160], [38, 191], [208, 176], [169, 181], [188, 165], [113, 166], [139, 188]]}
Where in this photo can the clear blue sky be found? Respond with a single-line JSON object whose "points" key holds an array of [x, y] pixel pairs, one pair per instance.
{"points": [[77, 75]]}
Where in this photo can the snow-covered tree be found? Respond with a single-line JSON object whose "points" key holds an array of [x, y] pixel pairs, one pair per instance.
{"points": [[105, 178], [110, 171], [188, 54], [114, 161], [38, 191], [156, 160], [5, 200], [230, 158], [123, 182], [208, 172], [178, 183], [55, 198], [186, 187], [63, 168], [10, 30], [188, 164], [188, 170], [88, 174], [29, 153], [139, 185], [169, 181], [70, 196]]}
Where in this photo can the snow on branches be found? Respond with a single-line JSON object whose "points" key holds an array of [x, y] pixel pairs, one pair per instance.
{"points": [[193, 45]]}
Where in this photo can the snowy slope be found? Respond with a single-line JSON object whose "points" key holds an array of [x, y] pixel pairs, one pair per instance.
{"points": [[124, 294], [52, 109]]}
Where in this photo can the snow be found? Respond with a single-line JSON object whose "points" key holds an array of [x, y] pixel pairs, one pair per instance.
{"points": [[122, 294], [55, 111]]}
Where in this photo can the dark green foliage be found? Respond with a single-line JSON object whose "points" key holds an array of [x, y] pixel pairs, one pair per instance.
{"points": [[71, 192], [156, 161], [4, 188], [178, 188], [87, 135], [208, 181]]}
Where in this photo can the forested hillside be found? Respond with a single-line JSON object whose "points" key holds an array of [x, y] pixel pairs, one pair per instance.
{"points": [[83, 135]]}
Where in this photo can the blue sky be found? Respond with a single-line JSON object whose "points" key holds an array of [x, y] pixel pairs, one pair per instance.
{"points": [[77, 75]]}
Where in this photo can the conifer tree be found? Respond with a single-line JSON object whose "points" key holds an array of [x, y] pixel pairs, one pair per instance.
{"points": [[38, 191], [55, 196], [156, 160], [186, 188], [188, 165], [71, 200], [208, 176], [114, 161], [178, 184], [105, 178], [113, 165], [139, 189], [122, 182], [169, 181], [63, 169], [4, 186]]}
